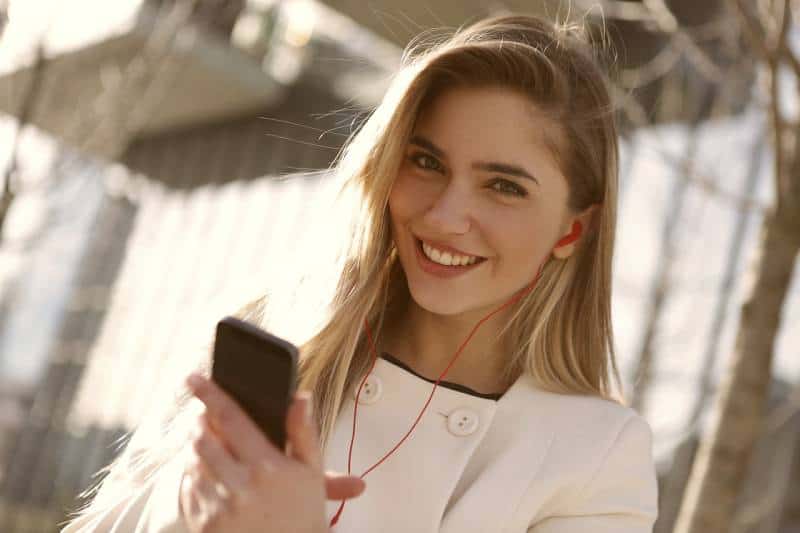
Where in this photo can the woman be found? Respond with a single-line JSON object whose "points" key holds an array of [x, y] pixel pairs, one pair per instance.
{"points": [[482, 252]]}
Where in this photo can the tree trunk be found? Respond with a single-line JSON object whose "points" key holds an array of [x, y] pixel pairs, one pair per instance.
{"points": [[723, 457]]}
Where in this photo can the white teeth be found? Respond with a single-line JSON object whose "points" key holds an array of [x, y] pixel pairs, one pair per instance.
{"points": [[446, 258]]}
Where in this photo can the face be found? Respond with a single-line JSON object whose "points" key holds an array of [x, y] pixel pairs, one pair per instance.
{"points": [[478, 181]]}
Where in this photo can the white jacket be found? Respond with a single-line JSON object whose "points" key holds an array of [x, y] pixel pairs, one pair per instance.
{"points": [[532, 461]]}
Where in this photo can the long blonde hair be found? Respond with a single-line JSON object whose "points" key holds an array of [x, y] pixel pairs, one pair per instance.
{"points": [[561, 330]]}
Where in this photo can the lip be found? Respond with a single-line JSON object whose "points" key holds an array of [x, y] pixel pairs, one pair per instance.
{"points": [[443, 247], [442, 271]]}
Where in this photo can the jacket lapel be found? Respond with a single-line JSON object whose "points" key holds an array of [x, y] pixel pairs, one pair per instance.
{"points": [[505, 464]]}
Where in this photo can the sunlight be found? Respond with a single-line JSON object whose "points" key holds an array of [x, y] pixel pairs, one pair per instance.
{"points": [[60, 26]]}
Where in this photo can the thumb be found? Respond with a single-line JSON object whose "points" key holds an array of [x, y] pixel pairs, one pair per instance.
{"points": [[342, 486], [302, 432]]}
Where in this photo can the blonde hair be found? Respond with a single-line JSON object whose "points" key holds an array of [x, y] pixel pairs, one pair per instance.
{"points": [[561, 330]]}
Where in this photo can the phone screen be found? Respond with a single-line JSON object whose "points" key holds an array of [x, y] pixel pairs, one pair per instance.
{"points": [[259, 371]]}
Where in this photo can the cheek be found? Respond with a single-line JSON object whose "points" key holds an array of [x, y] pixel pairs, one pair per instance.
{"points": [[405, 199], [396, 205], [399, 209], [515, 247], [521, 242]]}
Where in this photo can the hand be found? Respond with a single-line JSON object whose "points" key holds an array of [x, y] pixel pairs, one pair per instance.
{"points": [[238, 480]]}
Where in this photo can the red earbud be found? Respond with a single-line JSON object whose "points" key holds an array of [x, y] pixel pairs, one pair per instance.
{"points": [[573, 235]]}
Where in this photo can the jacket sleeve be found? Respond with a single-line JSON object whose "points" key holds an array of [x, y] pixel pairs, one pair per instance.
{"points": [[154, 508], [621, 496]]}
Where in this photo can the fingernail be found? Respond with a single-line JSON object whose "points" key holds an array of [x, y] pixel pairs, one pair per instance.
{"points": [[194, 380]]}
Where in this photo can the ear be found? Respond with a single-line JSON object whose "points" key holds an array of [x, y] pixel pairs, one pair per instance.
{"points": [[585, 217]]}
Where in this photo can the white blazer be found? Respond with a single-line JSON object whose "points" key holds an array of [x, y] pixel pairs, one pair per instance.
{"points": [[529, 462]]}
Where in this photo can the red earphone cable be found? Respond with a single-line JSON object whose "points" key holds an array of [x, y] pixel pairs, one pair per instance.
{"points": [[573, 235], [513, 299]]}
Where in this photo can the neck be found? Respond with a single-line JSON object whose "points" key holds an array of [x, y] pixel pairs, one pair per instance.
{"points": [[427, 342]]}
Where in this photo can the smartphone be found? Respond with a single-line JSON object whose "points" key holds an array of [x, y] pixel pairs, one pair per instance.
{"points": [[259, 371]]}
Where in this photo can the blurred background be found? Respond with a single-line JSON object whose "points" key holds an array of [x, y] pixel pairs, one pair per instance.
{"points": [[140, 141]]}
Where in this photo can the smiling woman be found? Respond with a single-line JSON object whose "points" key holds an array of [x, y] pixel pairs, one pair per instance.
{"points": [[480, 251]]}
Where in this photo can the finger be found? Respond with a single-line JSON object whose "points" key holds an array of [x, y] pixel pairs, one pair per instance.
{"points": [[302, 431], [209, 497], [190, 499], [221, 465], [342, 486], [245, 439]]}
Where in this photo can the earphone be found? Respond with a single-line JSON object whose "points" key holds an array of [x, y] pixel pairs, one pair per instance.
{"points": [[568, 239], [573, 235]]}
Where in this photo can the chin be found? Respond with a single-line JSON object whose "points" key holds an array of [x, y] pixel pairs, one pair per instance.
{"points": [[438, 305]]}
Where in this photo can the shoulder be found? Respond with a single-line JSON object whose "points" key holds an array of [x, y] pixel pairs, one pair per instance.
{"points": [[600, 456], [605, 440], [582, 422], [597, 422]]}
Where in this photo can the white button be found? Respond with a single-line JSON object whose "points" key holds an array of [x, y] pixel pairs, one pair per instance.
{"points": [[371, 391], [462, 422]]}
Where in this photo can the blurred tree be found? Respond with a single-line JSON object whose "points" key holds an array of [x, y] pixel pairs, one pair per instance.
{"points": [[681, 64], [724, 455]]}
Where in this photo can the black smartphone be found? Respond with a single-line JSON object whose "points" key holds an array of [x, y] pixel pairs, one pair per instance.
{"points": [[259, 370]]}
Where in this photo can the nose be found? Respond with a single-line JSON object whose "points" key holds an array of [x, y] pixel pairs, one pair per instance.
{"points": [[450, 210]]}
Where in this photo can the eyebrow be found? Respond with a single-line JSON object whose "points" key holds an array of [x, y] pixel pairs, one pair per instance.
{"points": [[491, 166]]}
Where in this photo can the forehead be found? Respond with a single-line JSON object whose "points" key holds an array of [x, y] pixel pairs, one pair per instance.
{"points": [[490, 122]]}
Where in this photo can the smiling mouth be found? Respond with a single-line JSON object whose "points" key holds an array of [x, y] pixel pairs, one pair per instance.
{"points": [[423, 255]]}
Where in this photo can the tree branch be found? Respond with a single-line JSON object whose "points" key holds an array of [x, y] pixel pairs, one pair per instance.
{"points": [[662, 15], [752, 29], [778, 128]]}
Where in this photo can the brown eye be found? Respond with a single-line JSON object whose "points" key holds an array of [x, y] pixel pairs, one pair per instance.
{"points": [[424, 161], [508, 187]]}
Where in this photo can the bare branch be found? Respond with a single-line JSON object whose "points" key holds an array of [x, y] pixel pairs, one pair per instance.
{"points": [[698, 57], [655, 68], [614, 9], [752, 29], [662, 15], [784, 25], [771, 47], [786, 51], [791, 59], [778, 129]]}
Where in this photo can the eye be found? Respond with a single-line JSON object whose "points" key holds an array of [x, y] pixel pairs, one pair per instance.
{"points": [[507, 187], [424, 161]]}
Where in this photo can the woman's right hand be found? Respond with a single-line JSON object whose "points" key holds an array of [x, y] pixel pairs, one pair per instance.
{"points": [[199, 493], [337, 487]]}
